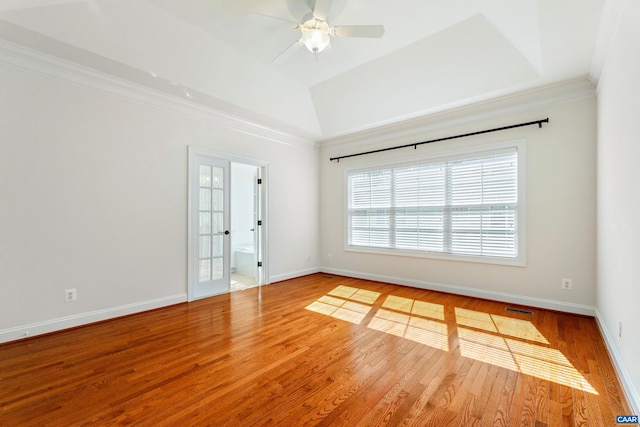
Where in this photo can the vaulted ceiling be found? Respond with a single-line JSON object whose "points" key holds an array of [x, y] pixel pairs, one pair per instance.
{"points": [[435, 54]]}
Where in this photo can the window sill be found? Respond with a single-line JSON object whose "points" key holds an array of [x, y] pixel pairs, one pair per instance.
{"points": [[514, 262]]}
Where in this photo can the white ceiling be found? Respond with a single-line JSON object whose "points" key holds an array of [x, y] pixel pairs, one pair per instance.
{"points": [[435, 54]]}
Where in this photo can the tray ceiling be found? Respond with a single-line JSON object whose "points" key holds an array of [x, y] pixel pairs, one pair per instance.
{"points": [[434, 54]]}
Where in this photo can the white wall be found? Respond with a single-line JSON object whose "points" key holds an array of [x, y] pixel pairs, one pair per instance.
{"points": [[93, 196], [560, 201], [618, 296]]}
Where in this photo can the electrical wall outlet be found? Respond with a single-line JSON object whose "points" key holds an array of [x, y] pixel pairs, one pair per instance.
{"points": [[566, 284], [328, 257], [70, 295]]}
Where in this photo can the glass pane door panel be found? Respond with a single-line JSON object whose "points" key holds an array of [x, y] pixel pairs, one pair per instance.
{"points": [[217, 200], [205, 223], [217, 269], [218, 177], [218, 246], [205, 270], [205, 246], [205, 176], [205, 199], [218, 223]]}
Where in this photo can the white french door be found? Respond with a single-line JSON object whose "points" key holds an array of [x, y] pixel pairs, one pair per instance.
{"points": [[209, 246]]}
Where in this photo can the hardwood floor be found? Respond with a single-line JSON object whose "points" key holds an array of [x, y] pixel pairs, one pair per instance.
{"points": [[318, 350]]}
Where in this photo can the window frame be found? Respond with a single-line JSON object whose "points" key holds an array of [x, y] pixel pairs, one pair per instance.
{"points": [[478, 151]]}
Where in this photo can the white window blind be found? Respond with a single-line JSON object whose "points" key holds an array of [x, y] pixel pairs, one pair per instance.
{"points": [[462, 206]]}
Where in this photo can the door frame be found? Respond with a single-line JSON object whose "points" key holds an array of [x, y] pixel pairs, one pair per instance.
{"points": [[193, 154]]}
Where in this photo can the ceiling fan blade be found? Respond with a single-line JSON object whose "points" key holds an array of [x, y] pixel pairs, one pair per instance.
{"points": [[321, 11], [288, 52], [372, 31], [255, 16]]}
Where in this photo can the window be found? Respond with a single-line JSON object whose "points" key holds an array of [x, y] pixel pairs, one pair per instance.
{"points": [[458, 207]]}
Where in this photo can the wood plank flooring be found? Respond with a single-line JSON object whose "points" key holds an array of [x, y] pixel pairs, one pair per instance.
{"points": [[317, 350]]}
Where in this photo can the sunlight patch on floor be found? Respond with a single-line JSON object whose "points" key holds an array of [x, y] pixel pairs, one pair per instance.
{"points": [[414, 320], [418, 321], [345, 303], [522, 329], [506, 342], [530, 359], [416, 307], [418, 329], [356, 294]]}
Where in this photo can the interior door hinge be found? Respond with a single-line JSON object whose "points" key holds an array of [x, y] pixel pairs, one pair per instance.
{"points": [[259, 263], [259, 180], [260, 222]]}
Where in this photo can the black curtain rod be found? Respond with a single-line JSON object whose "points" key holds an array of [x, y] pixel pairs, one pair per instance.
{"points": [[415, 144]]}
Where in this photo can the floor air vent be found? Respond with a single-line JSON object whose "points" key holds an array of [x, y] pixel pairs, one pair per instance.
{"points": [[519, 311]]}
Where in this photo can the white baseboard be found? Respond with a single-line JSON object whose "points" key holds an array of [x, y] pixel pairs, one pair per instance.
{"points": [[66, 322], [631, 393], [472, 292], [294, 274]]}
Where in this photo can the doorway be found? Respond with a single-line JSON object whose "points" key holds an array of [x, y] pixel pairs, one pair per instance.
{"points": [[245, 238], [226, 230]]}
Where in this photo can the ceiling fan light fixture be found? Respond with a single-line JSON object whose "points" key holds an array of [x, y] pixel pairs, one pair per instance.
{"points": [[315, 40], [315, 35]]}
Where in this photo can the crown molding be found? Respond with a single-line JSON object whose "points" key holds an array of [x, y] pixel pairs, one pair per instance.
{"points": [[509, 104], [52, 67]]}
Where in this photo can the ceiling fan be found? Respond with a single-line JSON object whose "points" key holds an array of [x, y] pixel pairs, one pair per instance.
{"points": [[316, 33]]}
